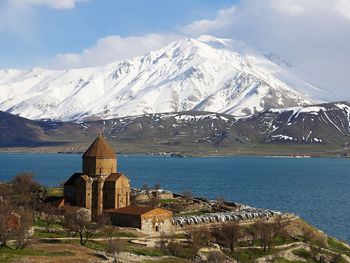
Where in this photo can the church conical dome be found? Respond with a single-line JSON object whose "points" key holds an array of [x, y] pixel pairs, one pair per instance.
{"points": [[100, 149]]}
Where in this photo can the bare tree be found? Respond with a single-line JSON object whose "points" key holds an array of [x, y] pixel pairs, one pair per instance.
{"points": [[318, 241], [49, 214], [336, 258], [232, 234], [188, 196], [195, 237], [252, 234], [153, 195], [265, 231], [280, 225], [21, 234], [28, 191], [24, 183], [79, 224], [114, 248], [307, 233], [5, 228], [227, 235], [220, 202]]}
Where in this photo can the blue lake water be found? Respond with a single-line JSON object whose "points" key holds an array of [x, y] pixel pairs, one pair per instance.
{"points": [[317, 189]]}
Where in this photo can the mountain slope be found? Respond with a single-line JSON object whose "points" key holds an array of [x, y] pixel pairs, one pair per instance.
{"points": [[317, 124], [204, 74], [325, 125]]}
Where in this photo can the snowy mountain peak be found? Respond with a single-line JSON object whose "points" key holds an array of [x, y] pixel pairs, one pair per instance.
{"points": [[203, 74]]}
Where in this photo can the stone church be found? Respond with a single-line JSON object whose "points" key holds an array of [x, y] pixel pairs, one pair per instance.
{"points": [[99, 186]]}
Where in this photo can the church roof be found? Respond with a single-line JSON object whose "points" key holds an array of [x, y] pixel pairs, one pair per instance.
{"points": [[131, 210], [114, 176], [100, 149], [71, 180]]}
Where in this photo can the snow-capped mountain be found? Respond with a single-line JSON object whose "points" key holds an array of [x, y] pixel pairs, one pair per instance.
{"points": [[204, 74]]}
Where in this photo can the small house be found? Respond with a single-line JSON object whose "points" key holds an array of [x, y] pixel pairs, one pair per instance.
{"points": [[148, 219]]}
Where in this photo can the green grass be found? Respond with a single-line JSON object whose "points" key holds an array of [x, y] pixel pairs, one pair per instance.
{"points": [[145, 251], [168, 260], [249, 255], [55, 191], [168, 201], [307, 255], [42, 223], [337, 246], [92, 244], [283, 260], [303, 254], [8, 254], [196, 213], [116, 234], [44, 234]]}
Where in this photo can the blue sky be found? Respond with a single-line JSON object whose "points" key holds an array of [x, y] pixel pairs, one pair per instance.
{"points": [[51, 31]]}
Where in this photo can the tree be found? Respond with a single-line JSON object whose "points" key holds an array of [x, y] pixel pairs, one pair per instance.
{"points": [[188, 196], [114, 248], [195, 237], [79, 223], [220, 201], [28, 191], [5, 229], [307, 233], [153, 195], [318, 241], [21, 234], [167, 244], [232, 234], [49, 214], [24, 183], [251, 232], [280, 228], [265, 231], [227, 235]]}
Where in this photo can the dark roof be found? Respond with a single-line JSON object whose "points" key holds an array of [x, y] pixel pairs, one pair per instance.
{"points": [[131, 210], [114, 176], [100, 149], [71, 180]]}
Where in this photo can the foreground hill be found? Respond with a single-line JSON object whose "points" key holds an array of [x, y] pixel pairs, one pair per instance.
{"points": [[323, 128], [204, 74]]}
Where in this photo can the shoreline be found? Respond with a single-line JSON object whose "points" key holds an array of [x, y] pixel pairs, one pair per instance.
{"points": [[182, 155]]}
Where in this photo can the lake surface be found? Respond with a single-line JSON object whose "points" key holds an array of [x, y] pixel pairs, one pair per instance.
{"points": [[317, 189]]}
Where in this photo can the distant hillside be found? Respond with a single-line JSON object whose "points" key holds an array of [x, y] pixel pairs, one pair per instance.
{"points": [[325, 125]]}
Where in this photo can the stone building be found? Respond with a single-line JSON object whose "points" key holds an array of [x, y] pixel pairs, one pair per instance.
{"points": [[99, 186], [147, 219]]}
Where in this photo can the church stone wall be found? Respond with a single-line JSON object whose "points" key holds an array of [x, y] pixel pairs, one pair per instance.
{"points": [[124, 220], [157, 220], [109, 195], [97, 166], [122, 193]]}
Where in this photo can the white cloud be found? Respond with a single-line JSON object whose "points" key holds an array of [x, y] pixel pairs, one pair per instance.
{"points": [[18, 16], [314, 35], [112, 48], [55, 4]]}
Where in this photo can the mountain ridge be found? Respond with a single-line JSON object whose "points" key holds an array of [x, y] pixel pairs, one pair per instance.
{"points": [[203, 74]]}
